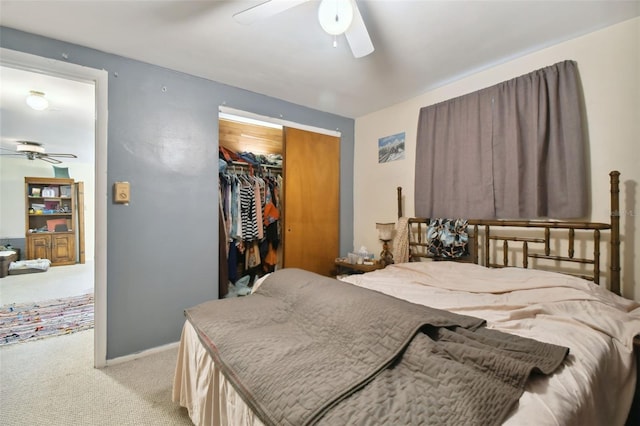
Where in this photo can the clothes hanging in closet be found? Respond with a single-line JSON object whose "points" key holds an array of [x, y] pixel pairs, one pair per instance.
{"points": [[251, 215]]}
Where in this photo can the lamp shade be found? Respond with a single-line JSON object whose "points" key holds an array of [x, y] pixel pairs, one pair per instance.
{"points": [[385, 231], [37, 101], [335, 16]]}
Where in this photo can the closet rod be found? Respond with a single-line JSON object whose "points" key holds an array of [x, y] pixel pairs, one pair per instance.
{"points": [[267, 166]]}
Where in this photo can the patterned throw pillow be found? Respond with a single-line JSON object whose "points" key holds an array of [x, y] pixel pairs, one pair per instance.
{"points": [[447, 238]]}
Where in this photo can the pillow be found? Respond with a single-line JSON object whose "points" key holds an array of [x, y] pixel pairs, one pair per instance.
{"points": [[447, 238]]}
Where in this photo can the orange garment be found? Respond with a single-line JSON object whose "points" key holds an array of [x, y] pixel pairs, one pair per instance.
{"points": [[271, 213], [272, 257]]}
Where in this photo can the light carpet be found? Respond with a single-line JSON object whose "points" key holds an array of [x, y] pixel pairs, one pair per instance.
{"points": [[52, 382]]}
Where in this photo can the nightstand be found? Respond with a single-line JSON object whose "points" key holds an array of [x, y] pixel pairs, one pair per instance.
{"points": [[355, 268]]}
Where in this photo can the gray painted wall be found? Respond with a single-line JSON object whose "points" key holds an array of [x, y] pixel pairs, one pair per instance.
{"points": [[163, 138]]}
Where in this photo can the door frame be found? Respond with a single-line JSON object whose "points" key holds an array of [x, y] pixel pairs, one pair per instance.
{"points": [[99, 78], [257, 118]]}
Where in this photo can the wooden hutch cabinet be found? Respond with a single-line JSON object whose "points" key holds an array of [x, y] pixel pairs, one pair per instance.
{"points": [[50, 219]]}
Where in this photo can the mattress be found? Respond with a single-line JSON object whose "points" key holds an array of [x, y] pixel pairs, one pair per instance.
{"points": [[594, 387]]}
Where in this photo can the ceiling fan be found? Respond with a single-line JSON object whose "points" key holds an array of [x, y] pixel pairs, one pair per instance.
{"points": [[336, 17], [35, 150]]}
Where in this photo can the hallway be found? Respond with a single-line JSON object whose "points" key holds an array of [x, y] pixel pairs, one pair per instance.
{"points": [[57, 282]]}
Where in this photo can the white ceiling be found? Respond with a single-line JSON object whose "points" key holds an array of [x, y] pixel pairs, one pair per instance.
{"points": [[67, 126], [419, 45]]}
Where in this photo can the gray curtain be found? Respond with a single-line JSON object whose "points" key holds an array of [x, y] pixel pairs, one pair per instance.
{"points": [[513, 150]]}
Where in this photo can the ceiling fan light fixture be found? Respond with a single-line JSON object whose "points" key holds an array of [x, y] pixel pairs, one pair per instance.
{"points": [[37, 101], [33, 147], [335, 16]]}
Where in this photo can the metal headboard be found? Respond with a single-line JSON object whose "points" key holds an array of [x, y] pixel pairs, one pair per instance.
{"points": [[533, 241]]}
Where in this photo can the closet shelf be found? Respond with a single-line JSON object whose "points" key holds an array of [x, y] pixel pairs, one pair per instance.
{"points": [[243, 164]]}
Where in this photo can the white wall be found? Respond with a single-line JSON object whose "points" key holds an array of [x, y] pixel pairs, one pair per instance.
{"points": [[608, 62], [12, 174]]}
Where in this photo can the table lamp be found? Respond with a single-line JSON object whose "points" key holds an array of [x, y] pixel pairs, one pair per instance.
{"points": [[385, 234]]}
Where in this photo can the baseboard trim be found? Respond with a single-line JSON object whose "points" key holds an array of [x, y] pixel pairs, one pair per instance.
{"points": [[142, 354]]}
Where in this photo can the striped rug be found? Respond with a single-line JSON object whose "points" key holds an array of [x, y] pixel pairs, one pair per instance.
{"points": [[32, 321]]}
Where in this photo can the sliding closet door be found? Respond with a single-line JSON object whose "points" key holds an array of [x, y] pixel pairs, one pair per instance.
{"points": [[311, 200]]}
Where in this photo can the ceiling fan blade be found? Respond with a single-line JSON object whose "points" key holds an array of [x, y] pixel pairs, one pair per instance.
{"points": [[358, 36], [48, 160], [61, 155], [265, 10]]}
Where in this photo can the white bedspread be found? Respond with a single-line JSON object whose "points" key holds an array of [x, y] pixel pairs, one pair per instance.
{"points": [[594, 388]]}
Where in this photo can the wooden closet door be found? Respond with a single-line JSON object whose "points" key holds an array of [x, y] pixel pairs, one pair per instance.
{"points": [[311, 200]]}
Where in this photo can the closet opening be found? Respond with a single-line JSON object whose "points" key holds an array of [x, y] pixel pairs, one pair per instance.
{"points": [[279, 192], [250, 187]]}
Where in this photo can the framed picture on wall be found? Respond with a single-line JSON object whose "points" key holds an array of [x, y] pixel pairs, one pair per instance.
{"points": [[391, 148]]}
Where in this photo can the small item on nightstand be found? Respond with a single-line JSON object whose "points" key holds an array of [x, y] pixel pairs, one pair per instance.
{"points": [[363, 256]]}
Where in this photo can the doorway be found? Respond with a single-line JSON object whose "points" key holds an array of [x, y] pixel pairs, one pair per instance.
{"points": [[99, 79]]}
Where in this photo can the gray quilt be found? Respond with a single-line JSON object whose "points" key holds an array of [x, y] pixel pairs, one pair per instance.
{"points": [[306, 349]]}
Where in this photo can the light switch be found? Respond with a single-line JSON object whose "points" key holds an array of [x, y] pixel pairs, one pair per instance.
{"points": [[121, 192]]}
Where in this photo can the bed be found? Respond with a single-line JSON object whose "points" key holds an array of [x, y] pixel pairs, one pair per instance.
{"points": [[585, 331]]}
